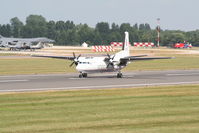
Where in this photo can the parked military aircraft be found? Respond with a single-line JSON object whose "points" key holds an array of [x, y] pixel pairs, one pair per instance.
{"points": [[109, 63], [23, 43]]}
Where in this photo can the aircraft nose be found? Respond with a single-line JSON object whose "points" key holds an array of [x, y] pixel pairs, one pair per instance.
{"points": [[51, 40]]}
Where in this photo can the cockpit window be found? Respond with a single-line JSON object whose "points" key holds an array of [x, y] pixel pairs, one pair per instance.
{"points": [[84, 63]]}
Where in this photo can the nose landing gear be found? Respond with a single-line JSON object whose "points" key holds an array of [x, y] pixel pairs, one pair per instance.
{"points": [[119, 75], [83, 75]]}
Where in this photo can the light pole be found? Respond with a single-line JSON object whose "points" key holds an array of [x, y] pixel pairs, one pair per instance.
{"points": [[158, 31]]}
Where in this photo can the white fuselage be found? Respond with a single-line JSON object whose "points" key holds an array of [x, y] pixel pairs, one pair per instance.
{"points": [[95, 65], [98, 65]]}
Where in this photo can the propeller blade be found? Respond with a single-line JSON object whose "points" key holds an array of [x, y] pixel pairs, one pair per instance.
{"points": [[72, 64], [108, 65], [76, 63], [74, 55], [113, 57], [78, 56], [108, 56], [110, 60]]}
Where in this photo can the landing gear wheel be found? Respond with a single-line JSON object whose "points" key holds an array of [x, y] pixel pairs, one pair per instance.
{"points": [[80, 75], [84, 75], [119, 75]]}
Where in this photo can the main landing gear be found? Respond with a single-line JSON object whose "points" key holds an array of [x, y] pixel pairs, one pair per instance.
{"points": [[119, 75], [83, 75]]}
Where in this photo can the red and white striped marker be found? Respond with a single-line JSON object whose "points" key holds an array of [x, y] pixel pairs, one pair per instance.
{"points": [[117, 44], [102, 48], [145, 44]]}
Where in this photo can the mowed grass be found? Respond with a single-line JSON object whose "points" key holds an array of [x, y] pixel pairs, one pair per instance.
{"points": [[169, 109], [22, 65], [34, 66], [181, 62], [9, 54]]}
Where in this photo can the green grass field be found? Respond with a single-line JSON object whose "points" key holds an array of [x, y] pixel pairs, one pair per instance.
{"points": [[34, 66], [170, 109], [181, 62], [44, 65]]}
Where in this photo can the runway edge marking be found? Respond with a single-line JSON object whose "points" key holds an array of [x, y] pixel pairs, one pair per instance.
{"points": [[7, 81]]}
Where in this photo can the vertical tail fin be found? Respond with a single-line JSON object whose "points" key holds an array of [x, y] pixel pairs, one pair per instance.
{"points": [[126, 43]]}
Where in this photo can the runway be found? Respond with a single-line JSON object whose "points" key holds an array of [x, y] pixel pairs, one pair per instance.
{"points": [[27, 83]]}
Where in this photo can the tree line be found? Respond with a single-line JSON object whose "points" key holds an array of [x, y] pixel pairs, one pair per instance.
{"points": [[68, 33]]}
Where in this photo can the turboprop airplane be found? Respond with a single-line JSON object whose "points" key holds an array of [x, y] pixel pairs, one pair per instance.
{"points": [[109, 63]]}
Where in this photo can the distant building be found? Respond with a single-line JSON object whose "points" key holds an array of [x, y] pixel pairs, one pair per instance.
{"points": [[85, 45]]}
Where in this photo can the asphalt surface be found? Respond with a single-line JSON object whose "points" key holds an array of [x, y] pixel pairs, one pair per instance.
{"points": [[26, 83]]}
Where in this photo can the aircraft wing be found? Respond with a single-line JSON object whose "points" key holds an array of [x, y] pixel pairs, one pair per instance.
{"points": [[3, 44], [137, 58], [56, 57], [126, 58]]}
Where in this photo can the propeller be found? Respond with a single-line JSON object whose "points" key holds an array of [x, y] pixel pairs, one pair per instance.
{"points": [[75, 61], [110, 60]]}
